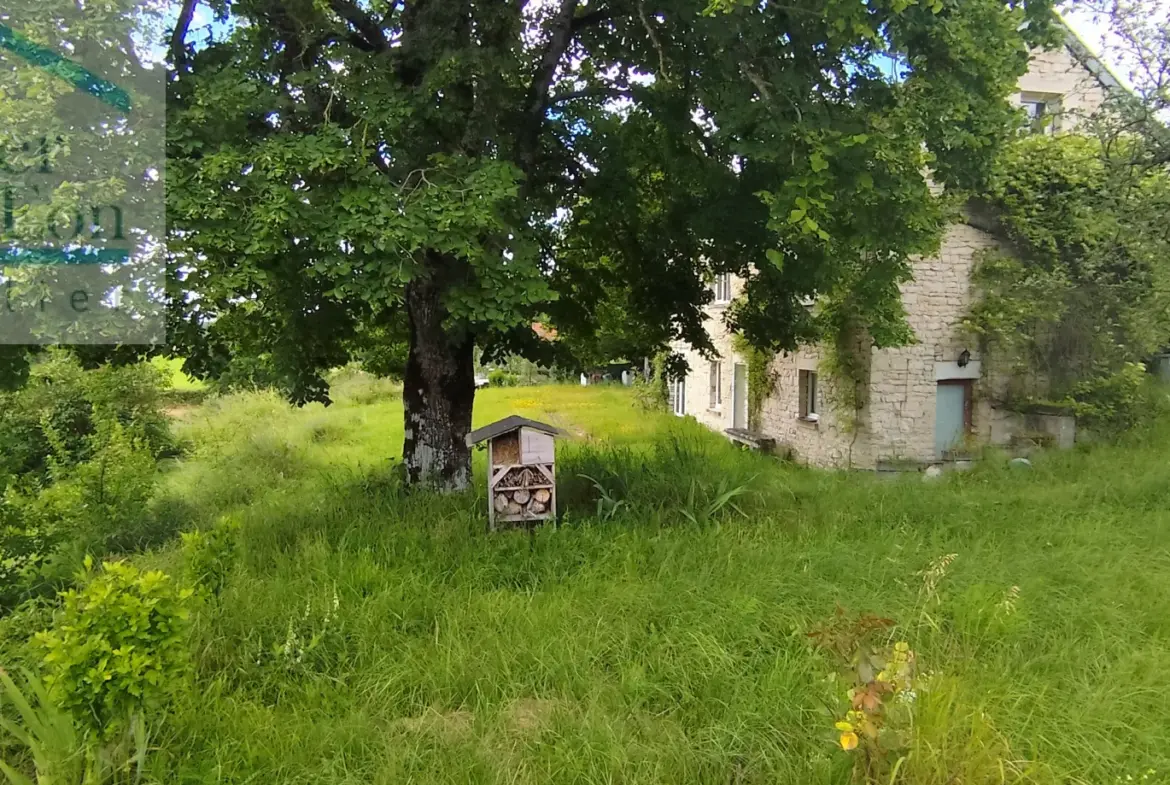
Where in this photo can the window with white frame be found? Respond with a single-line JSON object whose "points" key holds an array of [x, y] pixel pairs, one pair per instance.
{"points": [[678, 395], [716, 384], [808, 396], [722, 287], [1042, 111]]}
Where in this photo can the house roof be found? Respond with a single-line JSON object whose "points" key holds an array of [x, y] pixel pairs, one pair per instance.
{"points": [[507, 425], [1082, 52]]}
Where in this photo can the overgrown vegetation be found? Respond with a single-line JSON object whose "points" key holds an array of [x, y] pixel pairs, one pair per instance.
{"points": [[1070, 316], [77, 469], [659, 632]]}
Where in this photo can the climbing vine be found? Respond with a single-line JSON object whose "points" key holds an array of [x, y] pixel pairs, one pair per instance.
{"points": [[845, 361], [1083, 299], [856, 317], [762, 380]]}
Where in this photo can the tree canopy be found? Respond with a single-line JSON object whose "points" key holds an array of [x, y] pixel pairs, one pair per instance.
{"points": [[474, 165]]}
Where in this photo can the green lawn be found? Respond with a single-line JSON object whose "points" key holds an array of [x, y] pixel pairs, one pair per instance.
{"points": [[374, 636]]}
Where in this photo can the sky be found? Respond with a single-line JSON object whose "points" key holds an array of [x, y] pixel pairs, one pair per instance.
{"points": [[1095, 33]]}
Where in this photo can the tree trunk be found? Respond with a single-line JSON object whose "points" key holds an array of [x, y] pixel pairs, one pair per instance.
{"points": [[438, 390]]}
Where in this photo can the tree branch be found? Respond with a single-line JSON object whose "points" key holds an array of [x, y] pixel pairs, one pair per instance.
{"points": [[590, 18], [560, 36], [370, 31], [591, 92], [179, 34]]}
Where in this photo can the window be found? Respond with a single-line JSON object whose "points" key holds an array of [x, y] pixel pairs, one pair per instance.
{"points": [[808, 396], [722, 288], [678, 395], [1042, 112], [716, 384]]}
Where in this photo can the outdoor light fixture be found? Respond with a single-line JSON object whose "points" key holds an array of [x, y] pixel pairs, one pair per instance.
{"points": [[964, 358]]}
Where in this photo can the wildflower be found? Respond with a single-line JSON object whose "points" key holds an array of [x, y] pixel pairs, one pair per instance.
{"points": [[848, 741]]}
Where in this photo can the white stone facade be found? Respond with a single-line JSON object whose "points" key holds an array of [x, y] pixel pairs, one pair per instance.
{"points": [[897, 423]]}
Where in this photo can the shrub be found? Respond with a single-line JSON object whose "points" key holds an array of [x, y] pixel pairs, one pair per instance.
{"points": [[99, 505], [56, 412], [118, 647], [499, 377], [211, 554], [881, 688]]}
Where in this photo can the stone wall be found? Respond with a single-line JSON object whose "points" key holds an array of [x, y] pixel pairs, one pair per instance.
{"points": [[904, 380], [1058, 72], [698, 378], [830, 440]]}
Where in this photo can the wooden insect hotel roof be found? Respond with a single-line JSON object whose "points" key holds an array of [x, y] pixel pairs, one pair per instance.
{"points": [[507, 425]]}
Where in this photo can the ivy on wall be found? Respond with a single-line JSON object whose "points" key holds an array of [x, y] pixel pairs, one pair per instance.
{"points": [[853, 327], [1082, 298], [762, 380]]}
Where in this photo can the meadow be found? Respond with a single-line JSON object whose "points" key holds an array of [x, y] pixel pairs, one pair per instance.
{"points": [[371, 635], [659, 633]]}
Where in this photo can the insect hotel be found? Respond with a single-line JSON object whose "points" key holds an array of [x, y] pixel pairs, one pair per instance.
{"points": [[521, 470]]}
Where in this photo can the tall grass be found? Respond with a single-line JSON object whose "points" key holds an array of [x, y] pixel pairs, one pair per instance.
{"points": [[374, 635]]}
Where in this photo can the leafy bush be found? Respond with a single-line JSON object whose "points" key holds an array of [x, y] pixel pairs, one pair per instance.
{"points": [[55, 413], [99, 505], [653, 394], [118, 647], [499, 377], [55, 752], [211, 554], [1071, 315], [880, 688]]}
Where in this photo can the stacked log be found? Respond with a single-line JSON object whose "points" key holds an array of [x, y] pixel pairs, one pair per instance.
{"points": [[510, 500]]}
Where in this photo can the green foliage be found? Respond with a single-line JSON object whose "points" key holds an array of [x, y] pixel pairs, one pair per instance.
{"points": [[880, 686], [46, 732], [211, 555], [474, 166], [56, 752], [1086, 298], [99, 505], [54, 416], [118, 647], [501, 377], [653, 394]]}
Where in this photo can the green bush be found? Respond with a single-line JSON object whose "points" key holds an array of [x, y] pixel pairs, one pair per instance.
{"points": [[211, 554], [99, 505], [499, 377], [118, 647], [55, 413]]}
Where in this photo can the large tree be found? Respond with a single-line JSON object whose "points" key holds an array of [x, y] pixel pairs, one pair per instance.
{"points": [[477, 164]]}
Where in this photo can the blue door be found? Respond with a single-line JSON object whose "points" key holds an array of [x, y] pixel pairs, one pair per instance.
{"points": [[950, 417]]}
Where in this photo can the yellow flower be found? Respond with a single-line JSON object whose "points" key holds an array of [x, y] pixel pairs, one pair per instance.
{"points": [[848, 741], [844, 727], [902, 646]]}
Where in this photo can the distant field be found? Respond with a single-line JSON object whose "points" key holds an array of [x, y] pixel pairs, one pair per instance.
{"points": [[173, 367], [375, 636]]}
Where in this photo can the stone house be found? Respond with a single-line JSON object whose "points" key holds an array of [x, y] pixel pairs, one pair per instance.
{"points": [[923, 402]]}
